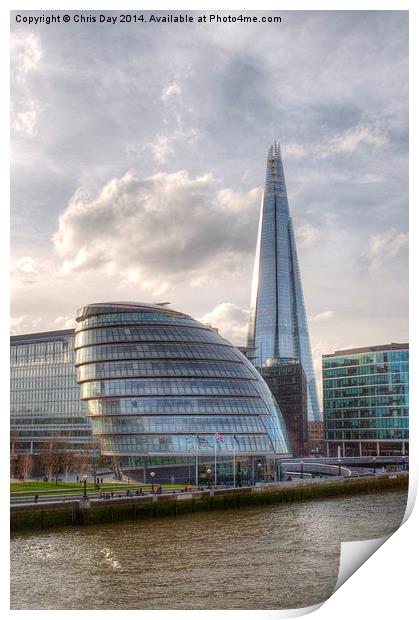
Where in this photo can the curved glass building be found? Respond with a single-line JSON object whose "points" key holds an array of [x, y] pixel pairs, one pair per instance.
{"points": [[160, 387]]}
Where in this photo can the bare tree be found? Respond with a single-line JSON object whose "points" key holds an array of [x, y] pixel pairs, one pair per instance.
{"points": [[25, 464], [55, 459], [90, 459], [14, 438]]}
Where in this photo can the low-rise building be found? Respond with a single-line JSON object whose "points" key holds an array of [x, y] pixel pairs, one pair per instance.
{"points": [[366, 401]]}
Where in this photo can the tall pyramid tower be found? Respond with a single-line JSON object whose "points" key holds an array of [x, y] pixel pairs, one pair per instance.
{"points": [[278, 324]]}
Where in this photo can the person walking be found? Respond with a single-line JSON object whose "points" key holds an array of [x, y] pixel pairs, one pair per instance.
{"points": [[36, 498]]}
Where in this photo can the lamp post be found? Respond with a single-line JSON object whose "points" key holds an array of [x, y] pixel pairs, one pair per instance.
{"points": [[403, 463], [209, 470], [302, 469], [340, 467], [152, 474], [373, 465], [259, 470], [85, 486]]}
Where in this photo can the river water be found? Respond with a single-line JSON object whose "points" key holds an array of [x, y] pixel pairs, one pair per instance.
{"points": [[271, 557]]}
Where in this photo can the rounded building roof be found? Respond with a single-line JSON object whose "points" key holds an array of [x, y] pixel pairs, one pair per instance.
{"points": [[156, 380]]}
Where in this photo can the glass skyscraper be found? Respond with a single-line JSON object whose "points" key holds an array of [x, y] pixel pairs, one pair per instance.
{"points": [[366, 401], [278, 325]]}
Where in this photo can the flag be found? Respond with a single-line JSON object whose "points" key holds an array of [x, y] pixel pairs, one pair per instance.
{"points": [[219, 437]]}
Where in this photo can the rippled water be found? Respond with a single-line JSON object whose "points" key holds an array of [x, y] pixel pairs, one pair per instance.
{"points": [[273, 557]]}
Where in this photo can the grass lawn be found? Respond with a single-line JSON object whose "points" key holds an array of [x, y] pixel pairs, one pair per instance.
{"points": [[32, 487]]}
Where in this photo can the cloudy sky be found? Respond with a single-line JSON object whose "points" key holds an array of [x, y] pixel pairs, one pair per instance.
{"points": [[138, 160]]}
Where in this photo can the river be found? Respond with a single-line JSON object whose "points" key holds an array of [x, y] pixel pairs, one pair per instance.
{"points": [[272, 557]]}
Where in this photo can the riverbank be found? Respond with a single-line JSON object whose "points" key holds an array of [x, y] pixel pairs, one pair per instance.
{"points": [[79, 512]]}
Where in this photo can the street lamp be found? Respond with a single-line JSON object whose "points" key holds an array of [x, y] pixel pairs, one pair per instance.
{"points": [[402, 463], [302, 469], [373, 465], [340, 467], [209, 471], [85, 486], [152, 474], [259, 469]]}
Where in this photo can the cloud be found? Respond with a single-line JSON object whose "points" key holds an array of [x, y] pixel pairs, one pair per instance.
{"points": [[355, 137], [24, 324], [230, 320], [307, 235], [383, 247], [26, 53], [173, 90], [347, 142], [64, 322], [24, 119], [25, 57], [161, 148], [159, 227], [323, 316], [176, 118], [24, 271]]}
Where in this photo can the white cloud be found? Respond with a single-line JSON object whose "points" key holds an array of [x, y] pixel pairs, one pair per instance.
{"points": [[24, 271], [352, 139], [25, 120], [161, 148], [383, 247], [24, 324], [158, 228], [26, 53], [230, 320], [172, 90], [25, 57], [307, 235], [64, 322], [323, 316], [348, 141]]}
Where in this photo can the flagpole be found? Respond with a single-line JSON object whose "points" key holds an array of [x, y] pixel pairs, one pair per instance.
{"points": [[196, 461], [234, 464], [215, 462]]}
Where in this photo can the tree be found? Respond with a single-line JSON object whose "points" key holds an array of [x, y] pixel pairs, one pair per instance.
{"points": [[25, 464], [96, 459], [57, 459], [14, 445]]}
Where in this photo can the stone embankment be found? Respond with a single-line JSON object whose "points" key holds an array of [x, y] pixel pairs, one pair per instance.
{"points": [[78, 512]]}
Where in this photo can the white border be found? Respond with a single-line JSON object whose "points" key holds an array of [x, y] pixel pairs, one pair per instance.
{"points": [[385, 586]]}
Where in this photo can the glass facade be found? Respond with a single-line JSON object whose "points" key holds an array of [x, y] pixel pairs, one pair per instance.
{"points": [[287, 382], [278, 325], [158, 386], [44, 395], [366, 401]]}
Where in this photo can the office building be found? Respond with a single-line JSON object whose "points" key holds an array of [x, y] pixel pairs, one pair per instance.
{"points": [[45, 406], [159, 386], [366, 401], [287, 382], [278, 325]]}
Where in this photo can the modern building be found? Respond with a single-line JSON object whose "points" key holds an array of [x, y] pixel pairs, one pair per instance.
{"points": [[315, 446], [287, 382], [278, 325], [366, 401], [46, 410], [160, 387]]}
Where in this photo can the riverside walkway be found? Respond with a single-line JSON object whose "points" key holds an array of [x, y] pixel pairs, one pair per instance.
{"points": [[71, 510]]}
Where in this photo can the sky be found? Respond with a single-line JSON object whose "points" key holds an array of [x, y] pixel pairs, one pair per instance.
{"points": [[138, 160]]}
